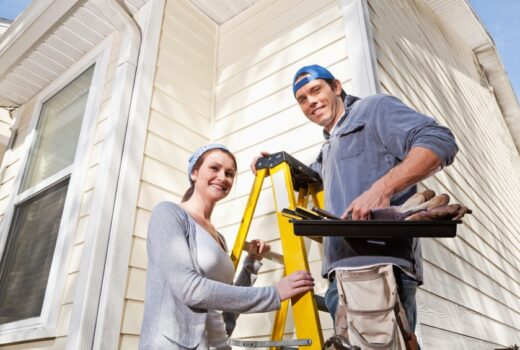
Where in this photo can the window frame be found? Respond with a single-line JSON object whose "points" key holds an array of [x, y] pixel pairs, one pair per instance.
{"points": [[46, 325]]}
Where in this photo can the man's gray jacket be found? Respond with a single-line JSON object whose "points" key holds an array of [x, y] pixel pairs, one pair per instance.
{"points": [[375, 134]]}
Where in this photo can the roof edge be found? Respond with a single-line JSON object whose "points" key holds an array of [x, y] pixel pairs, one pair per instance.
{"points": [[25, 31]]}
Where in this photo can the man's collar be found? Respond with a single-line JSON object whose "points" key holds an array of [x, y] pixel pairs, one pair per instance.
{"points": [[349, 101]]}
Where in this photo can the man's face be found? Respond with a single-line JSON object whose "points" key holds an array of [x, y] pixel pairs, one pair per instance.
{"points": [[321, 103]]}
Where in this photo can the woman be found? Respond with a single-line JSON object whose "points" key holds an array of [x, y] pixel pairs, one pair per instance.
{"points": [[190, 274]]}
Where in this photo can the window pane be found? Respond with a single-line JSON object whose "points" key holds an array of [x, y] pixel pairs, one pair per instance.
{"points": [[28, 253], [57, 132]]}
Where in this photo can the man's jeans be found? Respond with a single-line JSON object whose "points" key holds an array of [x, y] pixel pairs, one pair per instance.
{"points": [[406, 288]]}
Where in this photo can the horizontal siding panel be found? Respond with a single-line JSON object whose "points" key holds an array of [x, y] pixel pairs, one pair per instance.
{"points": [[138, 257], [141, 223], [281, 93], [202, 44], [175, 109], [172, 130], [247, 15], [150, 196], [308, 135], [171, 179], [136, 284], [179, 53], [189, 97], [171, 80], [251, 20], [244, 94], [132, 317], [255, 134], [191, 17], [439, 313], [129, 342], [266, 31], [167, 152], [434, 338], [442, 283], [251, 68]]}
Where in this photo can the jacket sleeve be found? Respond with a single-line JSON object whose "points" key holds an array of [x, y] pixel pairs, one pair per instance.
{"points": [[246, 278], [400, 128], [248, 273], [169, 252]]}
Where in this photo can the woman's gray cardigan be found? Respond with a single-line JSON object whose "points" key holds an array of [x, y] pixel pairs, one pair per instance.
{"points": [[178, 296]]}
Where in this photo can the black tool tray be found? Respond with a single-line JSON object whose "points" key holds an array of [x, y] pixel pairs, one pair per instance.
{"points": [[376, 229]]}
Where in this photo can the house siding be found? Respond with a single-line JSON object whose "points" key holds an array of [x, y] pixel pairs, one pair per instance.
{"points": [[470, 298]]}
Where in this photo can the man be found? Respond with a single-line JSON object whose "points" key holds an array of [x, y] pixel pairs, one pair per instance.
{"points": [[376, 150]]}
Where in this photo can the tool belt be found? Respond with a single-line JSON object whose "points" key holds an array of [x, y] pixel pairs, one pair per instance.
{"points": [[369, 313]]}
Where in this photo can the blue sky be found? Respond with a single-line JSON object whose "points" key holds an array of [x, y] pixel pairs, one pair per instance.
{"points": [[501, 18]]}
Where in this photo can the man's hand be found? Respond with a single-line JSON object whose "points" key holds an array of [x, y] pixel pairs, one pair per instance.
{"points": [[419, 164], [255, 159], [370, 199]]}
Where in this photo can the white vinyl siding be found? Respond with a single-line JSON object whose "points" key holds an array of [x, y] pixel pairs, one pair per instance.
{"points": [[471, 294]]}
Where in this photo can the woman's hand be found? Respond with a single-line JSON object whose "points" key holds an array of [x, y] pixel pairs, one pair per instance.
{"points": [[296, 283], [257, 248], [253, 163]]}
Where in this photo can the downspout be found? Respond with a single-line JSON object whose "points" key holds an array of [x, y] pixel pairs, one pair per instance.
{"points": [[92, 267]]}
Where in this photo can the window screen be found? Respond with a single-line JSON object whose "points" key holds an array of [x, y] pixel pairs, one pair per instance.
{"points": [[29, 250]]}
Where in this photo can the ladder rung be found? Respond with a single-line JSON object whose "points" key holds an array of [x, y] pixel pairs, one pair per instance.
{"points": [[269, 343]]}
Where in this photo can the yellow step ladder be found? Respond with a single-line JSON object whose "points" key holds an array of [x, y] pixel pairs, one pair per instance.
{"points": [[287, 176]]}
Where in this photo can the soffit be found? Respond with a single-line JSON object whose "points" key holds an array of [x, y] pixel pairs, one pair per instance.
{"points": [[44, 41]]}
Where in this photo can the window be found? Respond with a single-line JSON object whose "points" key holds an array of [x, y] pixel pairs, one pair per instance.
{"points": [[29, 249]]}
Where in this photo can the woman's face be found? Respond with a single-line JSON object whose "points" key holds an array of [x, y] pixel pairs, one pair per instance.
{"points": [[214, 178]]}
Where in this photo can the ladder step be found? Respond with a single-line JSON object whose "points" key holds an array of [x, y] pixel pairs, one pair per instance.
{"points": [[269, 343]]}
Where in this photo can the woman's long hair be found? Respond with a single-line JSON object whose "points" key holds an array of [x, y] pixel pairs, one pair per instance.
{"points": [[196, 166]]}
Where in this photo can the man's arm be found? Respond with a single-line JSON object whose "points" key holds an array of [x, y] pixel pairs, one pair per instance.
{"points": [[419, 164]]}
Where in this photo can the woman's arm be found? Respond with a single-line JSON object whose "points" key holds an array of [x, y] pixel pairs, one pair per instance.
{"points": [[169, 253]]}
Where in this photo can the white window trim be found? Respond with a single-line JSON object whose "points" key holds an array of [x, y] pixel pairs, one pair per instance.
{"points": [[45, 325]]}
